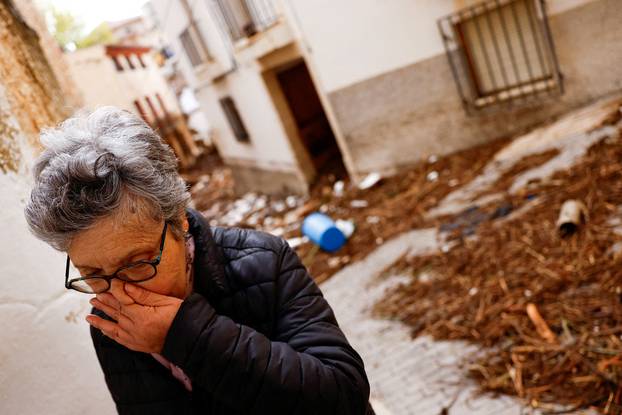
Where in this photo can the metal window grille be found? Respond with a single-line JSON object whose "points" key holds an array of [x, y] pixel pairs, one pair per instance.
{"points": [[235, 121], [244, 18], [501, 52], [191, 41]]}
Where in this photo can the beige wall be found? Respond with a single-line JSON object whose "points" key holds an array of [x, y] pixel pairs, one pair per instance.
{"points": [[101, 84], [559, 6], [52, 51]]}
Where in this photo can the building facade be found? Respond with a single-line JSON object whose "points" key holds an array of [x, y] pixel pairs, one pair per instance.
{"points": [[389, 82], [232, 57], [127, 77], [294, 87]]}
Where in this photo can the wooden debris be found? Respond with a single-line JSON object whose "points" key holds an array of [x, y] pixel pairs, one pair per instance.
{"points": [[486, 289], [543, 329], [393, 205]]}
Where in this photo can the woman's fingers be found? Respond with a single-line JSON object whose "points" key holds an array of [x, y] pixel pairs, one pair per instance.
{"points": [[122, 297], [108, 299], [110, 329], [115, 312], [112, 312]]}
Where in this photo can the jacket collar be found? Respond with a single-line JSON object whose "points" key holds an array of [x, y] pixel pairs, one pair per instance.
{"points": [[209, 263]]}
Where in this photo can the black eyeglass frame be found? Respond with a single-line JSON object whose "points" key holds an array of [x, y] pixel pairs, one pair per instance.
{"points": [[154, 263]]}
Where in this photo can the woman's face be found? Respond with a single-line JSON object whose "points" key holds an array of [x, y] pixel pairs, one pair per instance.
{"points": [[109, 245]]}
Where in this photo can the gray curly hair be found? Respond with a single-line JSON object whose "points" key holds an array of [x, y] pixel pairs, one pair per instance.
{"points": [[100, 165]]}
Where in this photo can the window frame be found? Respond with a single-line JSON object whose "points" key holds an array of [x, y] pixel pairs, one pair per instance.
{"points": [[228, 106], [517, 49], [192, 43]]}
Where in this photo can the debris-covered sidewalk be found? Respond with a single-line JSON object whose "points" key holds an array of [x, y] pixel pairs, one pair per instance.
{"points": [[469, 250], [379, 208], [544, 307]]}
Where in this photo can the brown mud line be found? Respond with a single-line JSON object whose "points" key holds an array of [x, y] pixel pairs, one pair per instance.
{"points": [[546, 311]]}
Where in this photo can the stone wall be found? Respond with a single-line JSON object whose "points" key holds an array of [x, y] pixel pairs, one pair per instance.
{"points": [[30, 85], [33, 17], [47, 362]]}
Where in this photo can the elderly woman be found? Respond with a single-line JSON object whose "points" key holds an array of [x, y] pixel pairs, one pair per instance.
{"points": [[186, 318]]}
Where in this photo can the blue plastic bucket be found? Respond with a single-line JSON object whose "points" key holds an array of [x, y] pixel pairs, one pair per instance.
{"points": [[321, 229]]}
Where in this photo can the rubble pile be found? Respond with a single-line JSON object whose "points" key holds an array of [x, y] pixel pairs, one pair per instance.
{"points": [[545, 306], [379, 208]]}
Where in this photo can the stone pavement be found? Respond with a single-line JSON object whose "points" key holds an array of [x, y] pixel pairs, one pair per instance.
{"points": [[422, 376], [406, 376]]}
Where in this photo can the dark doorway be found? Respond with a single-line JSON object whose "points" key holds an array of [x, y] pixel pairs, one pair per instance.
{"points": [[306, 107]]}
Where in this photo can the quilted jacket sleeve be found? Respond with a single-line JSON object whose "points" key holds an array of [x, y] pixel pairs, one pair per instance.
{"points": [[307, 367], [125, 372]]}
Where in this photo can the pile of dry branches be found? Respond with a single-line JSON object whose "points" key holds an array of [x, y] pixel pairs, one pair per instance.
{"points": [[547, 309]]}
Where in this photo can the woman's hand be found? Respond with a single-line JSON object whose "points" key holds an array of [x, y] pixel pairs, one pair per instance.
{"points": [[143, 318]]}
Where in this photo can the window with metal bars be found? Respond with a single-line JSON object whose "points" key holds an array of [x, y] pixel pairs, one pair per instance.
{"points": [[501, 51], [235, 121], [244, 18]]}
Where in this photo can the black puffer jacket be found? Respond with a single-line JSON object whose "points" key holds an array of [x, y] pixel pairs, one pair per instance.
{"points": [[256, 336]]}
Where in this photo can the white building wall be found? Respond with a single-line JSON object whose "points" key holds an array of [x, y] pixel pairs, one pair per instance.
{"points": [[383, 67], [47, 361], [173, 20], [353, 40], [94, 74], [269, 146]]}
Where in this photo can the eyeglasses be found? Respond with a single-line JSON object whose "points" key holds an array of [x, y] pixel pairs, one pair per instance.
{"points": [[134, 272]]}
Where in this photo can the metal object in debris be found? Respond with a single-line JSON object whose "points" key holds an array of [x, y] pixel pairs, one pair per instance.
{"points": [[572, 214], [323, 231]]}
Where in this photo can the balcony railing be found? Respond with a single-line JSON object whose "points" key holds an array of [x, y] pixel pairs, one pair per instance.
{"points": [[244, 18]]}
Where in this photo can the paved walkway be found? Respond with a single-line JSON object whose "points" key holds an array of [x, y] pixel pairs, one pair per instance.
{"points": [[407, 376]]}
